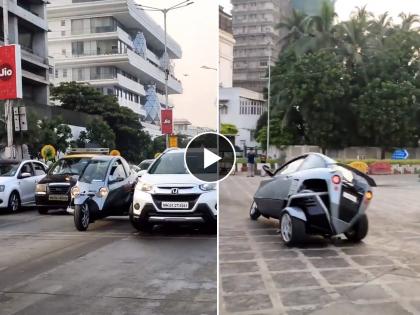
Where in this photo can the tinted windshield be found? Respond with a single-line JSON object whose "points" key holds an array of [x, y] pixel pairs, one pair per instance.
{"points": [[8, 169], [95, 170], [170, 163], [69, 166]]}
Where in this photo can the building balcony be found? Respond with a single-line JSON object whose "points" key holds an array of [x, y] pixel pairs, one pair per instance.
{"points": [[128, 61], [27, 15], [126, 13]]}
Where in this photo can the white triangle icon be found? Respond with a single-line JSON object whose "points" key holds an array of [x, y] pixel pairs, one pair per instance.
{"points": [[210, 158]]}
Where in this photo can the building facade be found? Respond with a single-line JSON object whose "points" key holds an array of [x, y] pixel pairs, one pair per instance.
{"points": [[226, 43], [28, 27], [185, 127], [242, 108], [257, 39], [310, 7], [117, 48]]}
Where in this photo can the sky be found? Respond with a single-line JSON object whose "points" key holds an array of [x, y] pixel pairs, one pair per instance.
{"points": [[196, 29]]}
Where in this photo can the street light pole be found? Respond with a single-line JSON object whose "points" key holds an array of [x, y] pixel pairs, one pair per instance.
{"points": [[268, 100], [8, 116], [165, 56]]}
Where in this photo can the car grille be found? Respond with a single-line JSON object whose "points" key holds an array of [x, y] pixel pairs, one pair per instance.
{"points": [[59, 190], [190, 198]]}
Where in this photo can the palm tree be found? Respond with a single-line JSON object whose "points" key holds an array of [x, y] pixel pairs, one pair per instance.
{"points": [[295, 26], [408, 21]]}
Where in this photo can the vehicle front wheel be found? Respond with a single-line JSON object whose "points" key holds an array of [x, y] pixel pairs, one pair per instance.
{"points": [[292, 229], [81, 217], [254, 213], [359, 230], [142, 225], [14, 202]]}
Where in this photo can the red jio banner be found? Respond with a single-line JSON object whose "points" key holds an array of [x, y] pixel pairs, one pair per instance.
{"points": [[10, 72], [166, 121]]}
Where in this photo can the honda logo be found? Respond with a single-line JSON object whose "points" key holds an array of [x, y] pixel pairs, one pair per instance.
{"points": [[174, 191]]}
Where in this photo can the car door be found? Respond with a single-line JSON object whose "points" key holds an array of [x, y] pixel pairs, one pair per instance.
{"points": [[27, 185], [40, 171], [129, 185], [117, 178], [273, 194]]}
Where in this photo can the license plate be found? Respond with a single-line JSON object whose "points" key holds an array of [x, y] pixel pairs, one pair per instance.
{"points": [[350, 197], [174, 205], [58, 198]]}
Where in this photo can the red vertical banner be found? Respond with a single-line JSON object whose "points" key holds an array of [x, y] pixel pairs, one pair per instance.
{"points": [[166, 121], [10, 72]]}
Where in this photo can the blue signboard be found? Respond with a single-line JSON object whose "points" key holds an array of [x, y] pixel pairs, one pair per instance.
{"points": [[401, 154]]}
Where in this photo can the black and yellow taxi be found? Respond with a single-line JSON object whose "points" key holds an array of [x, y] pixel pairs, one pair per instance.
{"points": [[53, 191]]}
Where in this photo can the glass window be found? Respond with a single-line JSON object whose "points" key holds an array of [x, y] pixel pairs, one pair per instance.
{"points": [[8, 169], [95, 170], [117, 171], [313, 161], [291, 167], [69, 166], [170, 163], [39, 169], [27, 168]]}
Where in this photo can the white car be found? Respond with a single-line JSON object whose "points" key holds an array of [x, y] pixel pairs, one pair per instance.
{"points": [[18, 181], [166, 192]]}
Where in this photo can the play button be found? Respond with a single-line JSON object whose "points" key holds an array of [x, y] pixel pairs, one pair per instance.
{"points": [[210, 157]]}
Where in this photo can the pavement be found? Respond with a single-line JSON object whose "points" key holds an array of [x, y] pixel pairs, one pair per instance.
{"points": [[47, 267], [259, 275]]}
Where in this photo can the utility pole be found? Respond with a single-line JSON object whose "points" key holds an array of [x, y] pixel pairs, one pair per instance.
{"points": [[8, 104], [165, 11], [268, 99]]}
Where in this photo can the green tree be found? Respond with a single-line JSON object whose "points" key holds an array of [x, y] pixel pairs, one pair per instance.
{"points": [[99, 132], [228, 129]]}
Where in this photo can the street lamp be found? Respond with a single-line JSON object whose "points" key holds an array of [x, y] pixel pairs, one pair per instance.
{"points": [[165, 11], [268, 98]]}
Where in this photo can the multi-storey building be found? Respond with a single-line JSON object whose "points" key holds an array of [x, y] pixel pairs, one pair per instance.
{"points": [[257, 38], [226, 42], [28, 27], [310, 7], [242, 108], [116, 47]]}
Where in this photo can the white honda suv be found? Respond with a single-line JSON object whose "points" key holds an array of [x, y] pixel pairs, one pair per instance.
{"points": [[166, 192]]}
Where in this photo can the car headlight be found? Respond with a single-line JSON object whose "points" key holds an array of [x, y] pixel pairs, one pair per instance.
{"points": [[40, 189], [208, 186], [143, 186], [2, 188], [103, 192], [75, 191]]}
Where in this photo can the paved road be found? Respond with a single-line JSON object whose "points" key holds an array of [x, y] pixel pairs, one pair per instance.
{"points": [[46, 267], [259, 275]]}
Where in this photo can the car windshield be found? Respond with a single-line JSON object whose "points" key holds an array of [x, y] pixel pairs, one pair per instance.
{"points": [[169, 163], [95, 170], [8, 169], [144, 165], [69, 166]]}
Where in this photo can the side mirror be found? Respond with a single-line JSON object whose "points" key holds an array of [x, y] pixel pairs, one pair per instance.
{"points": [[25, 175], [268, 170], [141, 173]]}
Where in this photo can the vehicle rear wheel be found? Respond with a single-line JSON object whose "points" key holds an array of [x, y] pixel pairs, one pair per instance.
{"points": [[42, 210], [142, 225], [292, 229], [254, 214], [359, 230], [81, 217], [14, 202]]}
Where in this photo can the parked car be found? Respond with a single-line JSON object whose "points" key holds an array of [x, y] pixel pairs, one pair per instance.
{"points": [[104, 188], [168, 193], [313, 194], [18, 180], [144, 165], [135, 168], [53, 191]]}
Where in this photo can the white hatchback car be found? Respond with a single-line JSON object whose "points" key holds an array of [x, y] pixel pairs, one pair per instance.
{"points": [[166, 192], [18, 181]]}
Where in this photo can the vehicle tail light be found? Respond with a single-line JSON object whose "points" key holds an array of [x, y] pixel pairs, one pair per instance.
{"points": [[336, 179], [368, 195]]}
